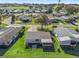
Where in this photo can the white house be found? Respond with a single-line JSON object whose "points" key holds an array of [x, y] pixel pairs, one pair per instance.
{"points": [[66, 36]]}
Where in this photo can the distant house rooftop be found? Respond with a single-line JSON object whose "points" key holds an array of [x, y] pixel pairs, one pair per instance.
{"points": [[25, 18]]}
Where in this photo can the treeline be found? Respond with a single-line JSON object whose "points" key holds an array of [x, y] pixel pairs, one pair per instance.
{"points": [[68, 8]]}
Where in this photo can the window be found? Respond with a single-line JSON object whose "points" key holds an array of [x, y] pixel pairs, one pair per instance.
{"points": [[7, 42], [37, 40], [73, 42]]}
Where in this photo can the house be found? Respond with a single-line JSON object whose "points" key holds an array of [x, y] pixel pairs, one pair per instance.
{"points": [[54, 19], [76, 23], [76, 17], [64, 17], [8, 35], [37, 11], [25, 19], [66, 36], [71, 21], [44, 10], [74, 34], [39, 40], [58, 14], [62, 36]]}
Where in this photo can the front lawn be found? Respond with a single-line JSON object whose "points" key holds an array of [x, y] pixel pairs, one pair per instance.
{"points": [[18, 51], [72, 27], [3, 25]]}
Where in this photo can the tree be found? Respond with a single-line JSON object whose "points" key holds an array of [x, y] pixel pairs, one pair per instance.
{"points": [[58, 8], [71, 9], [13, 19], [50, 10], [43, 20], [31, 8]]}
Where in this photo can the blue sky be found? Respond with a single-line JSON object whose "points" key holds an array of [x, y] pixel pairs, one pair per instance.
{"points": [[39, 1]]}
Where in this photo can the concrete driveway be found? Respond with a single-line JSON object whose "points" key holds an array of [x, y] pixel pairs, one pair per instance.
{"points": [[32, 29]]}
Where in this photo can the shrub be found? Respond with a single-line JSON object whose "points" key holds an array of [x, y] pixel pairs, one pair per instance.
{"points": [[22, 30], [59, 50]]}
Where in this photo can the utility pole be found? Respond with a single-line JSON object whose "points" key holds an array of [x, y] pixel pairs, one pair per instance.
{"points": [[59, 2]]}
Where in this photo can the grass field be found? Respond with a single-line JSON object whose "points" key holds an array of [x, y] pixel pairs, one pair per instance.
{"points": [[15, 7], [18, 51]]}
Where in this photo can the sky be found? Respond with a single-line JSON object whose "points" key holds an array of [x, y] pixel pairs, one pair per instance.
{"points": [[40, 1]]}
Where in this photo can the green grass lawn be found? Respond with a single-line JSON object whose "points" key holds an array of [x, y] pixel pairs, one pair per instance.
{"points": [[18, 51], [19, 22], [3, 25], [77, 20], [72, 27], [64, 22], [4, 18], [16, 7]]}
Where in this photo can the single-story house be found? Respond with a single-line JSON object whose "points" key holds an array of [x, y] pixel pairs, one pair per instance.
{"points": [[39, 40], [74, 34], [8, 35], [71, 21], [64, 17], [44, 10], [76, 17], [76, 23], [25, 19], [66, 36], [62, 36], [54, 19], [58, 14], [37, 11]]}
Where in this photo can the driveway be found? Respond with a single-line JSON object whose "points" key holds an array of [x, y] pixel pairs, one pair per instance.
{"points": [[32, 29]]}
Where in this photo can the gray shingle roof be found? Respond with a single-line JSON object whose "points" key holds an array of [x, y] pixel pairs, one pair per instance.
{"points": [[64, 32], [60, 32], [42, 36], [72, 31], [8, 34]]}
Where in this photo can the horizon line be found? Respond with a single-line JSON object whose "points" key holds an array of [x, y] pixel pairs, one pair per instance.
{"points": [[36, 3]]}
